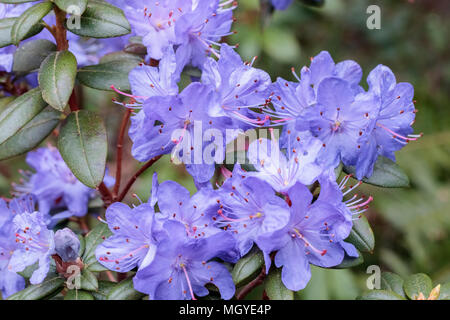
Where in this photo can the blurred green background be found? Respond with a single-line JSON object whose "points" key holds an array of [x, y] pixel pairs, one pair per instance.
{"points": [[411, 225]]}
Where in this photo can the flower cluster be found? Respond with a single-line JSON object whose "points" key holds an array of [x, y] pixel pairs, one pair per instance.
{"points": [[288, 205]]}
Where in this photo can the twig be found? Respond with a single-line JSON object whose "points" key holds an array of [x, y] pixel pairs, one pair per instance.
{"points": [[106, 194], [135, 176], [123, 127], [252, 285], [60, 32]]}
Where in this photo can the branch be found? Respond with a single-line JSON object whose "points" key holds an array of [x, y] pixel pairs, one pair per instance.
{"points": [[123, 127], [136, 175], [106, 194], [60, 32], [252, 285]]}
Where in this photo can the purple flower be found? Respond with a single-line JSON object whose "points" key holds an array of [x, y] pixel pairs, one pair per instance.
{"points": [[67, 245], [182, 266], [340, 119], [175, 203], [55, 186], [312, 236], [250, 209], [284, 171], [133, 243], [392, 129], [182, 121], [192, 27], [281, 4], [238, 85], [34, 242], [10, 282]]}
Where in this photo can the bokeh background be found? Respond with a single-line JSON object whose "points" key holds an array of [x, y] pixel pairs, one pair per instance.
{"points": [[411, 225]]}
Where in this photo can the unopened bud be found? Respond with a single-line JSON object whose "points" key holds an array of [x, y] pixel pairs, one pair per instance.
{"points": [[67, 245]]}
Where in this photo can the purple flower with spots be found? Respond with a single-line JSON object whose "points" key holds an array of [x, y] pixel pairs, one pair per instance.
{"points": [[134, 239], [34, 242], [340, 119], [10, 282], [313, 235], [284, 171], [239, 87], [250, 209], [55, 186], [392, 129], [169, 124], [182, 266], [193, 28]]}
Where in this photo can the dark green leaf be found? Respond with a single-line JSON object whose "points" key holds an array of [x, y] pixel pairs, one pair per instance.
{"points": [[78, 295], [121, 56], [57, 78], [49, 287], [416, 284], [95, 237], [88, 281], [19, 113], [104, 288], [103, 76], [102, 20], [30, 135], [6, 27], [392, 282], [350, 262], [362, 236], [247, 268], [386, 174], [4, 101], [72, 6], [30, 55], [275, 288], [124, 291], [380, 295], [83, 145], [28, 20]]}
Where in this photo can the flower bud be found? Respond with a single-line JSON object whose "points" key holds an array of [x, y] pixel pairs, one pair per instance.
{"points": [[67, 244]]}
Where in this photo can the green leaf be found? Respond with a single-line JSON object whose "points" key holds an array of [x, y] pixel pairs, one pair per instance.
{"points": [[51, 286], [19, 113], [416, 284], [4, 101], [28, 20], [83, 145], [350, 262], [392, 282], [72, 6], [362, 236], [380, 295], [121, 56], [82, 245], [95, 237], [30, 135], [57, 78], [247, 268], [104, 288], [386, 174], [275, 288], [103, 76], [78, 295], [6, 27], [30, 55], [28, 271], [102, 20], [124, 291], [96, 267], [88, 281]]}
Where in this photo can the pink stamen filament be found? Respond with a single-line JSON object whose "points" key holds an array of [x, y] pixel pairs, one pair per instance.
{"points": [[188, 282]]}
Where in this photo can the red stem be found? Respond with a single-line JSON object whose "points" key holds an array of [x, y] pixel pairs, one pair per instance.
{"points": [[135, 176], [252, 285], [123, 128]]}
